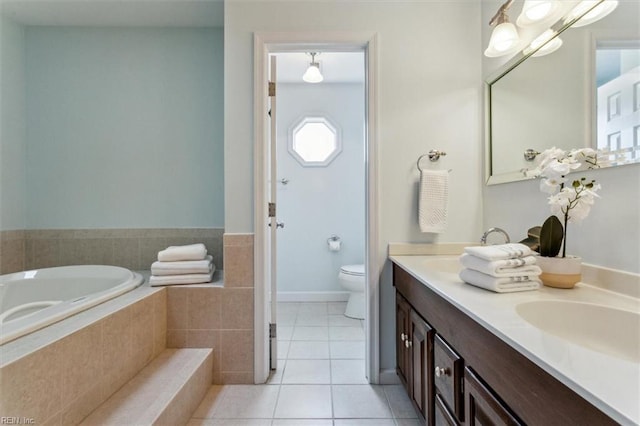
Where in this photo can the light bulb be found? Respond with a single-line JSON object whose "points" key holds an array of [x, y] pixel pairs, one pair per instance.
{"points": [[313, 75]]}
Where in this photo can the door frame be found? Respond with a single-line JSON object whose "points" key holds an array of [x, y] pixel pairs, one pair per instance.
{"points": [[276, 42]]}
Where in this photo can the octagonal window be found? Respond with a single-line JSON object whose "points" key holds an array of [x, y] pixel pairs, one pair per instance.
{"points": [[314, 141]]}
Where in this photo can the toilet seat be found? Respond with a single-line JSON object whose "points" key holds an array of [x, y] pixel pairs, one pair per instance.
{"points": [[355, 270]]}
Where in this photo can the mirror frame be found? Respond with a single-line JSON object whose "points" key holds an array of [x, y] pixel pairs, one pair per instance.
{"points": [[559, 26]]}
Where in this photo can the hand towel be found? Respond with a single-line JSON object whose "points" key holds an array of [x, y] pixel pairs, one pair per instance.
{"points": [[188, 252], [433, 200], [502, 268], [500, 285], [500, 251], [182, 267], [180, 279]]}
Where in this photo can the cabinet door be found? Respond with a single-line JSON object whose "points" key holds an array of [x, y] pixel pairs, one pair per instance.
{"points": [[421, 350], [402, 335], [482, 407], [442, 415]]}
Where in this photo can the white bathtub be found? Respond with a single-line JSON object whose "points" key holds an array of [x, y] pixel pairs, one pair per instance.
{"points": [[32, 300]]}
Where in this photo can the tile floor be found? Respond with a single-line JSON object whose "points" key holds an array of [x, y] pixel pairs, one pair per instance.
{"points": [[320, 379]]}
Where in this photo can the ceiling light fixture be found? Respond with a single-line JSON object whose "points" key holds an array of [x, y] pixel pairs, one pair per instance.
{"points": [[313, 75], [504, 38], [595, 10], [536, 11]]}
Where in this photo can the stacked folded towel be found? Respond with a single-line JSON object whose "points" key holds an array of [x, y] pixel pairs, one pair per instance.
{"points": [[501, 268], [188, 264]]}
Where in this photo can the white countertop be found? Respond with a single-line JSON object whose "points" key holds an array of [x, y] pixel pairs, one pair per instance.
{"points": [[612, 384]]}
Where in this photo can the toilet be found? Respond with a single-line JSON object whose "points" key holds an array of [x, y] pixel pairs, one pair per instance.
{"points": [[351, 277]]}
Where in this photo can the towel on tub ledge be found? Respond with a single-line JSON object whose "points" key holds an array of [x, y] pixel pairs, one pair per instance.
{"points": [[182, 267], [156, 281], [500, 285], [503, 267], [188, 252]]}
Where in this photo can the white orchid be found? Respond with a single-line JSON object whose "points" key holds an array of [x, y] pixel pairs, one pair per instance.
{"points": [[569, 202]]}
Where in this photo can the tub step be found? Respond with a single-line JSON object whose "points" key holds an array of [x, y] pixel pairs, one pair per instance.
{"points": [[165, 392]]}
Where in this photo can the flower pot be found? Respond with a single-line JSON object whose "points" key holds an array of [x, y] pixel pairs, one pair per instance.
{"points": [[560, 272]]}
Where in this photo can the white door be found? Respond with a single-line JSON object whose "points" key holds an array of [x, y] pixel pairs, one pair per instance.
{"points": [[272, 220]]}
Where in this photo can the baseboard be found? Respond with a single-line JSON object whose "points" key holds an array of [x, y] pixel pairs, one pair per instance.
{"points": [[389, 377], [313, 296]]}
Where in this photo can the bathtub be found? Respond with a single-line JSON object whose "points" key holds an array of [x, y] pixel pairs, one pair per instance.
{"points": [[32, 300]]}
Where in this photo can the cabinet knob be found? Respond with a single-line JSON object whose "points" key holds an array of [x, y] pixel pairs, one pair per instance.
{"points": [[439, 371], [407, 343], [403, 337]]}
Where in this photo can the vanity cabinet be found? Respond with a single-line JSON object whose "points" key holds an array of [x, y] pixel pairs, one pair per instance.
{"points": [[469, 376], [414, 354]]}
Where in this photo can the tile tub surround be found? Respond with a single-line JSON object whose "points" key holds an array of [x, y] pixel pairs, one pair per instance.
{"points": [[132, 248], [220, 317], [12, 251], [60, 374]]}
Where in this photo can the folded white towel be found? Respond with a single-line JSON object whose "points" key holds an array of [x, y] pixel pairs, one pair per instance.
{"points": [[180, 279], [188, 252], [433, 200], [502, 268], [500, 285], [500, 251], [183, 267]]}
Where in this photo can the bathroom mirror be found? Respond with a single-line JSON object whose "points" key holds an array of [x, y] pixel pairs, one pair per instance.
{"points": [[536, 102]]}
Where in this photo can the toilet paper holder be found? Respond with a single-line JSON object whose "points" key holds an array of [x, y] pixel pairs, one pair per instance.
{"points": [[334, 243]]}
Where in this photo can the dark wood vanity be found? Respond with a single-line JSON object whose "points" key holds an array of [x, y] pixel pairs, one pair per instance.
{"points": [[457, 372]]}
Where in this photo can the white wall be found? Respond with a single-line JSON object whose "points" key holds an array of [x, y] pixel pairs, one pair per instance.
{"points": [[12, 126], [320, 201], [610, 235], [124, 127], [429, 97]]}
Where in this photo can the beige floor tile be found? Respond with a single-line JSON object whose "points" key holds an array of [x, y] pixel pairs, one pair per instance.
{"points": [[247, 402], [360, 401], [401, 406], [348, 372], [302, 349], [304, 402], [298, 371]]}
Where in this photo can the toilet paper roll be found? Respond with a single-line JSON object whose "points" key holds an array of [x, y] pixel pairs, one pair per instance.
{"points": [[335, 245]]}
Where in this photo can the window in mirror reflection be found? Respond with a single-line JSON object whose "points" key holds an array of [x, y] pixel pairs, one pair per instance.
{"points": [[618, 99]]}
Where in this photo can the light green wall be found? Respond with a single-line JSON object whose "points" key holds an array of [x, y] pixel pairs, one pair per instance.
{"points": [[12, 126], [124, 127]]}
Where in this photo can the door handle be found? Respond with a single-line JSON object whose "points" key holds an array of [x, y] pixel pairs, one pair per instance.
{"points": [[278, 225]]}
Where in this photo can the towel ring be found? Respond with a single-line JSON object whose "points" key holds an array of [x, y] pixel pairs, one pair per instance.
{"points": [[434, 155]]}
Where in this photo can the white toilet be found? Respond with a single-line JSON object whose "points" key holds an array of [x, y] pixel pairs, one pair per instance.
{"points": [[351, 277]]}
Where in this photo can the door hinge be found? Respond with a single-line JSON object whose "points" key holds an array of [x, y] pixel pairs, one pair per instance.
{"points": [[272, 89], [272, 209], [272, 331]]}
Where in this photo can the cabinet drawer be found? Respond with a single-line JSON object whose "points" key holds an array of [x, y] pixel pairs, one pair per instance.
{"points": [[448, 376]]}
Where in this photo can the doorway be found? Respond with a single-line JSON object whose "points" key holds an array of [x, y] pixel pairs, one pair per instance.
{"points": [[320, 187], [266, 295]]}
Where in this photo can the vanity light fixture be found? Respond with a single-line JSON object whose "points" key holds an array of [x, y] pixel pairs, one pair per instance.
{"points": [[504, 38], [313, 75], [536, 11], [547, 42], [596, 10]]}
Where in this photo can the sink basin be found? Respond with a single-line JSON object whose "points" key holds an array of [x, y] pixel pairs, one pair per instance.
{"points": [[600, 328]]}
